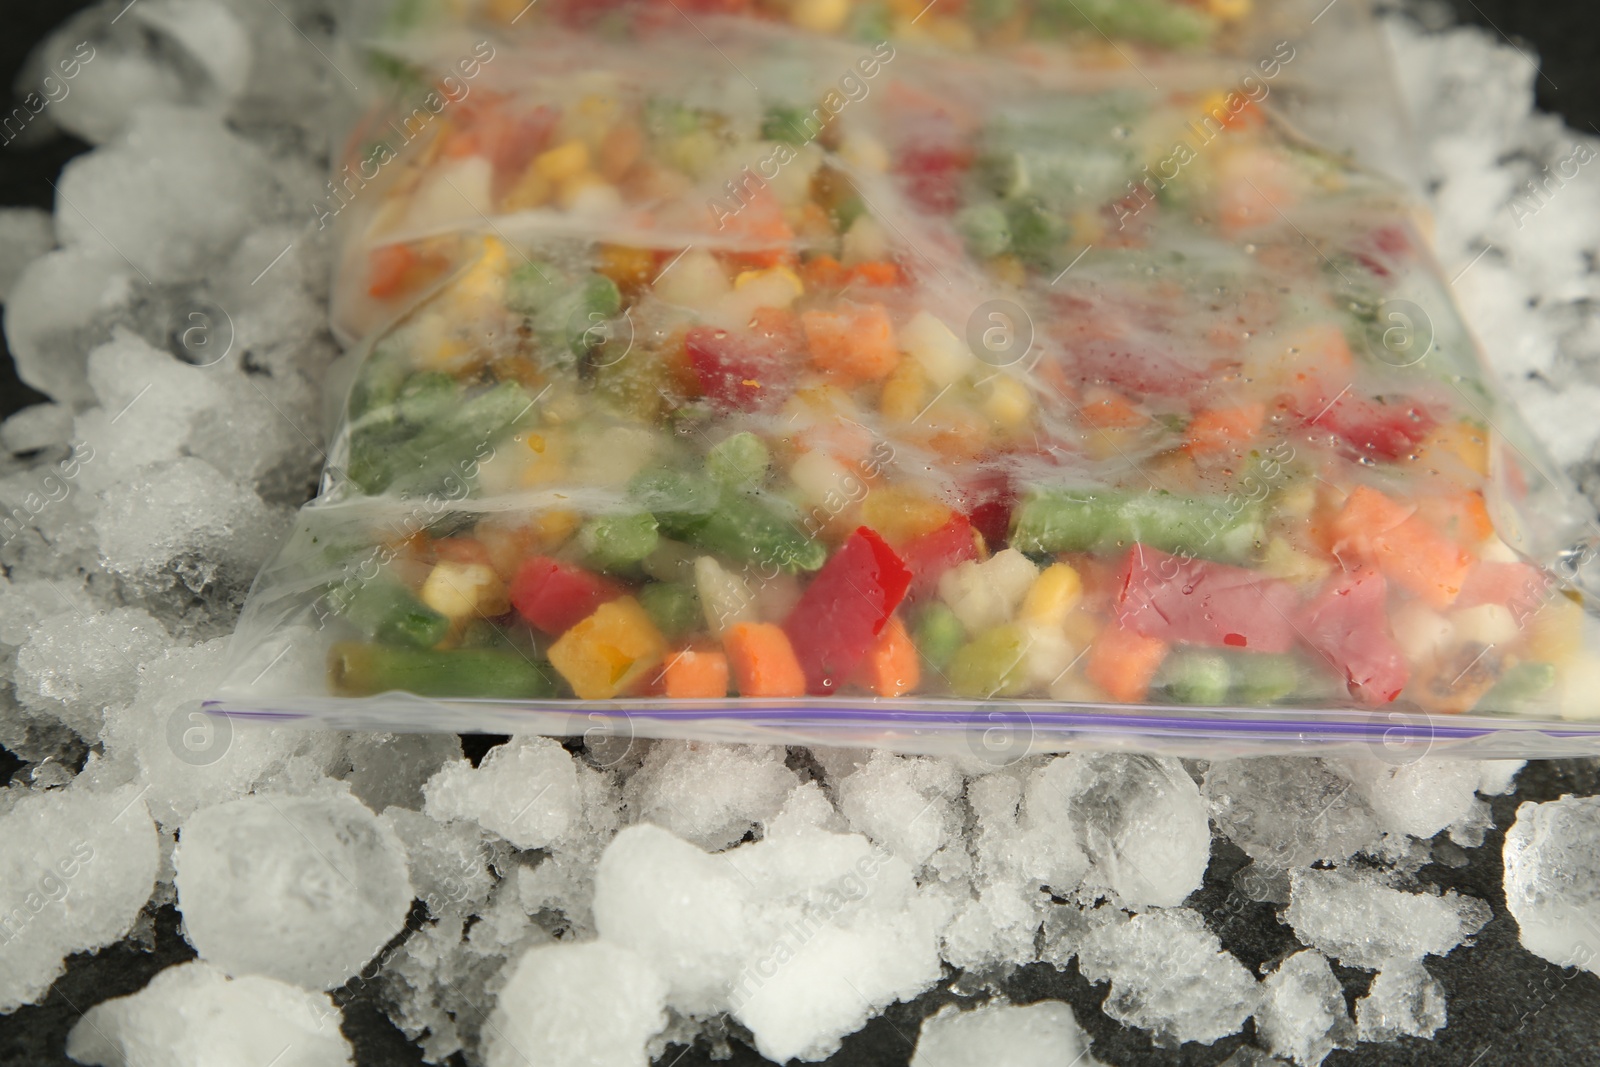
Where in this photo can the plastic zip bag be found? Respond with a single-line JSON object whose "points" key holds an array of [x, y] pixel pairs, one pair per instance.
{"points": [[979, 407]]}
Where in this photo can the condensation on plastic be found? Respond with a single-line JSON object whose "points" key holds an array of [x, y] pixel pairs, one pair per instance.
{"points": [[279, 655]]}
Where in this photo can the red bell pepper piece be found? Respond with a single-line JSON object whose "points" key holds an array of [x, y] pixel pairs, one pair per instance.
{"points": [[1197, 602], [1522, 587], [1347, 622], [387, 268], [749, 370], [1372, 427], [846, 605], [554, 596], [929, 555]]}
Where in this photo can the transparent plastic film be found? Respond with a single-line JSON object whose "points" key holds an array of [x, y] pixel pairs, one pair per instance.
{"points": [[1125, 418]]}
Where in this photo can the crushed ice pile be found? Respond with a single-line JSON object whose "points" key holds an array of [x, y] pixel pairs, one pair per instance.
{"points": [[592, 903]]}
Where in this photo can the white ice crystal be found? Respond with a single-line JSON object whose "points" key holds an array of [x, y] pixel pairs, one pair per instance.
{"points": [[1169, 975], [26, 233], [1289, 812], [304, 889], [1357, 919], [593, 1004], [1302, 1015], [76, 868], [194, 1015], [1552, 880], [711, 794], [1404, 1000], [74, 665], [525, 790], [1042, 1034]]}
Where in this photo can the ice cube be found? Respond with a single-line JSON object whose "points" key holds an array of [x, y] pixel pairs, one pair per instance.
{"points": [[1169, 975], [76, 868], [76, 664], [449, 862], [194, 1015], [26, 233], [593, 1003], [708, 793], [1404, 1000], [678, 907], [1041, 1034], [61, 307], [525, 790], [908, 805], [385, 769], [181, 528], [1139, 820], [1302, 1015], [172, 194], [37, 426], [1497, 776], [1289, 812], [304, 889], [185, 757], [840, 932], [1357, 919], [1552, 880], [996, 926], [1419, 798]]}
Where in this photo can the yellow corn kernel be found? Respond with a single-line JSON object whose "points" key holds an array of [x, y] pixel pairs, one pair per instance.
{"points": [[532, 190], [550, 452], [464, 591], [899, 513], [950, 32], [905, 392], [1007, 401], [486, 279], [1054, 593], [563, 162], [630, 268], [1008, 269], [781, 280], [820, 16], [610, 650], [1229, 9], [555, 528]]}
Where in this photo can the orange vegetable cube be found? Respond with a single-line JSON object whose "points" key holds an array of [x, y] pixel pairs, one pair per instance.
{"points": [[1219, 431], [1124, 663], [854, 345], [606, 653], [697, 673], [893, 666], [762, 660]]}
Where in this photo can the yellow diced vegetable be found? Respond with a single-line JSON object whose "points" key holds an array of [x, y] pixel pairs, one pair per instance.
{"points": [[898, 513], [1006, 401], [563, 162], [608, 652], [820, 16], [1054, 593]]}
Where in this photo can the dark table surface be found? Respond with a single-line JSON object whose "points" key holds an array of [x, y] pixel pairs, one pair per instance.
{"points": [[1506, 1006]]}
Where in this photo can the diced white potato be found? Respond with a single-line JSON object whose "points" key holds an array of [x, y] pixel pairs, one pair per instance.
{"points": [[864, 242], [696, 280], [822, 480], [464, 590], [945, 358], [453, 193], [1421, 632], [611, 455], [1486, 624]]}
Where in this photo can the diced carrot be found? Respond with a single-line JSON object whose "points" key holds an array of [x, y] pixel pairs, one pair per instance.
{"points": [[1108, 409], [1463, 517], [1219, 431], [824, 272], [762, 660], [695, 673], [854, 345], [1403, 545], [876, 272], [387, 267], [1123, 663], [761, 219], [892, 667]]}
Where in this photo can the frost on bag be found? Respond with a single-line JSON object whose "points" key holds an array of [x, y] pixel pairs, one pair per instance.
{"points": [[973, 396]]}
